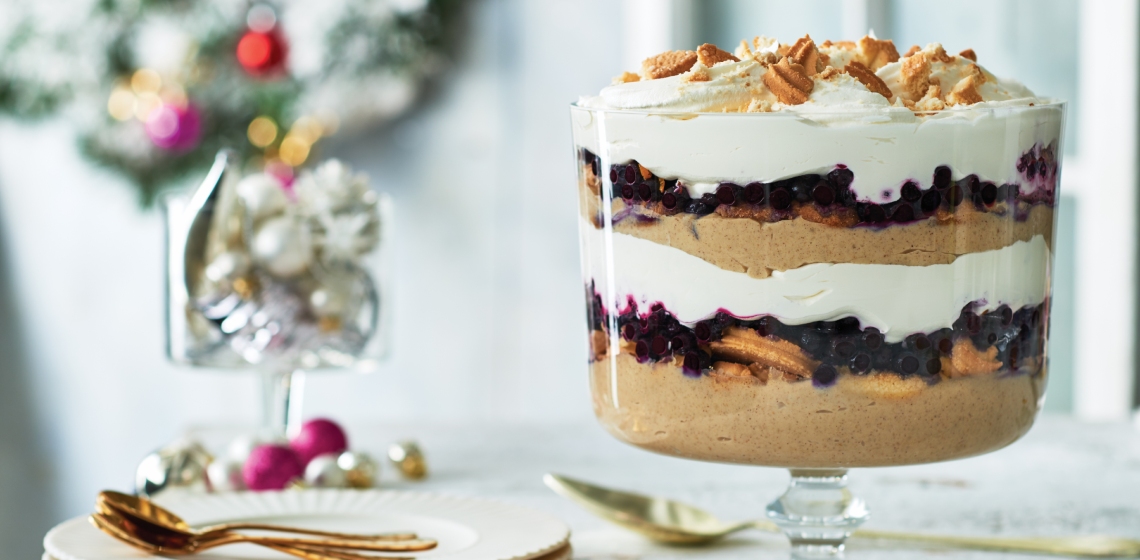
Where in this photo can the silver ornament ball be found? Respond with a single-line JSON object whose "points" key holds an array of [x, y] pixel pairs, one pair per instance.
{"points": [[324, 472], [284, 246], [225, 476], [181, 465], [262, 195]]}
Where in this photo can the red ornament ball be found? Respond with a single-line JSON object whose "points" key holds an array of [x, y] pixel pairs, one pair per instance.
{"points": [[318, 437], [262, 54], [271, 467]]}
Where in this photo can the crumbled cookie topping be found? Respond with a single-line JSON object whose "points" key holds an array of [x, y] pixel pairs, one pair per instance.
{"points": [[875, 53], [868, 78], [709, 55], [764, 75], [789, 81], [669, 63], [804, 53]]}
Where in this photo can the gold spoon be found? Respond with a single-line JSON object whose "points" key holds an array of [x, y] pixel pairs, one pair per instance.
{"points": [[675, 522], [141, 508], [115, 528], [159, 540]]}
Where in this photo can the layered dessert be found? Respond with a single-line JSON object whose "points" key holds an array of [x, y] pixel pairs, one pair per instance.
{"points": [[817, 255]]}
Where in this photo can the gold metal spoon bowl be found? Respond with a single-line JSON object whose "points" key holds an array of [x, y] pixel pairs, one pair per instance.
{"points": [[674, 522]]}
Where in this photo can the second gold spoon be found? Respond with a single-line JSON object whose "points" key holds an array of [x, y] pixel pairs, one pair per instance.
{"points": [[675, 522]]}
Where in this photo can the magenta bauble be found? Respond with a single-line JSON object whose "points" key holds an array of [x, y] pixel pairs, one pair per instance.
{"points": [[318, 437], [174, 127], [271, 467]]}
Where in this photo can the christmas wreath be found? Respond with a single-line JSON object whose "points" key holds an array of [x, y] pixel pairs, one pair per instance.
{"points": [[159, 86]]}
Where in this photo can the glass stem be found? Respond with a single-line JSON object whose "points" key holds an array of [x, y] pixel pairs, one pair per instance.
{"points": [[817, 512], [282, 394]]}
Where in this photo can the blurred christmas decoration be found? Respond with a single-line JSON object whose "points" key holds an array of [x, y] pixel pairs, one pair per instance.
{"points": [[275, 274], [408, 459], [159, 86], [252, 463]]}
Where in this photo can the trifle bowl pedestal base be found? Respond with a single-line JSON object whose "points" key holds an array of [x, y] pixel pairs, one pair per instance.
{"points": [[817, 512]]}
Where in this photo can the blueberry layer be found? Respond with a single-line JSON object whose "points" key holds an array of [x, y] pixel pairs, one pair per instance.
{"points": [[655, 334], [828, 197]]}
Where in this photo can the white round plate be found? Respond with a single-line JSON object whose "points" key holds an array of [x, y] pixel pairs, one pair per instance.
{"points": [[466, 528]]}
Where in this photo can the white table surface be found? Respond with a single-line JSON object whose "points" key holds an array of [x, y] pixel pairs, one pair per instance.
{"points": [[1062, 478]]}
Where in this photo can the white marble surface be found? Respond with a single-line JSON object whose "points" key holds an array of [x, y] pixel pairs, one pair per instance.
{"points": [[1063, 478]]}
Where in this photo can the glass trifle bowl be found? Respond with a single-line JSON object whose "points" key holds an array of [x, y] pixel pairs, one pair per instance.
{"points": [[818, 290]]}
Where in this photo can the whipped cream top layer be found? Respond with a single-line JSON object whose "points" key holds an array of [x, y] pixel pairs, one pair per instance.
{"points": [[766, 76]]}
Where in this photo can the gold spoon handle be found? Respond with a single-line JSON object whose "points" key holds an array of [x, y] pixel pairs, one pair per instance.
{"points": [[317, 553], [379, 546], [301, 531], [1090, 546]]}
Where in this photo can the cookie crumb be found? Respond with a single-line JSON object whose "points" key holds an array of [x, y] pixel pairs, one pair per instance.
{"points": [[625, 78], [969, 53], [709, 55]]}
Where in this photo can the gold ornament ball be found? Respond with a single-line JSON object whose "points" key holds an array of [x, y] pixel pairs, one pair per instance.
{"points": [[408, 458], [360, 470]]}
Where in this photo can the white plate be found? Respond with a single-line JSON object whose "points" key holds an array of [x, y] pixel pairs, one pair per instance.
{"points": [[466, 528]]}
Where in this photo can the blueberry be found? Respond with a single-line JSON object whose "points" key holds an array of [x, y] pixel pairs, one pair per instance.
{"points": [[644, 191], [973, 184], [954, 195], [709, 199], [824, 376], [919, 341], [910, 192], [766, 326], [933, 366], [841, 177], [946, 346], [843, 349], [703, 331], [872, 339], [930, 201], [613, 174], [726, 194], [1006, 315], [871, 213], [903, 213], [989, 193], [692, 365], [941, 176], [908, 364], [628, 331], [823, 194], [780, 199], [754, 193], [680, 343], [659, 346], [861, 363], [642, 351], [631, 172], [847, 325], [810, 340], [669, 200], [627, 192]]}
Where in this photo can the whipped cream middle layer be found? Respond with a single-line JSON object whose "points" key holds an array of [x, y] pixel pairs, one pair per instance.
{"points": [[883, 150], [899, 300]]}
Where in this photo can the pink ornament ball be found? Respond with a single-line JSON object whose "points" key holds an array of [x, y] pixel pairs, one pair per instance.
{"points": [[318, 437], [174, 127], [271, 467]]}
